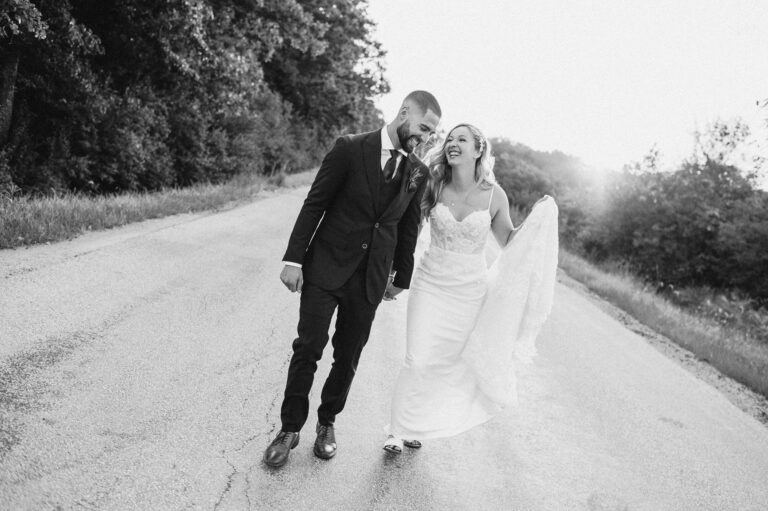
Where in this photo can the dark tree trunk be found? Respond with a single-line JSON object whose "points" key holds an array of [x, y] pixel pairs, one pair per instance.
{"points": [[9, 65]]}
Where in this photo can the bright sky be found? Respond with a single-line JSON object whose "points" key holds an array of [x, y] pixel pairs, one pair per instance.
{"points": [[604, 80]]}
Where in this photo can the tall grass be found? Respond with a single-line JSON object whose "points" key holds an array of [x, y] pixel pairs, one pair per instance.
{"points": [[31, 220], [733, 351]]}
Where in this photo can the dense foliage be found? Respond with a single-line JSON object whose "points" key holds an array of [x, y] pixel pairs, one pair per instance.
{"points": [[703, 224], [106, 95]]}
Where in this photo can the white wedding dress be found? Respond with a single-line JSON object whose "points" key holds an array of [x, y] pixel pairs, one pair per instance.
{"points": [[468, 324]]}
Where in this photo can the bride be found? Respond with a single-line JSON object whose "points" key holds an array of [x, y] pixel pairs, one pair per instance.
{"points": [[468, 324]]}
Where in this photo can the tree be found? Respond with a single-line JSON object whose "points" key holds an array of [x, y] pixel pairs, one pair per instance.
{"points": [[679, 227], [332, 86], [21, 23], [743, 247], [137, 94]]}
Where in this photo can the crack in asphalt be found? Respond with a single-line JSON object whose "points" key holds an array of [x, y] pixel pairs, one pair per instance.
{"points": [[246, 442], [271, 424], [278, 393], [229, 482], [248, 487], [86, 504]]}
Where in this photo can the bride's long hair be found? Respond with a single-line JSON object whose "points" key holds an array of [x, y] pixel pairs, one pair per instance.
{"points": [[441, 173]]}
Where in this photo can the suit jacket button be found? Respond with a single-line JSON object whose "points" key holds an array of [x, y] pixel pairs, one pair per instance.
{"points": [[376, 225], [365, 245]]}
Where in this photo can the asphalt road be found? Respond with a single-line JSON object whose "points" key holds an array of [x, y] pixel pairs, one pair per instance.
{"points": [[142, 368]]}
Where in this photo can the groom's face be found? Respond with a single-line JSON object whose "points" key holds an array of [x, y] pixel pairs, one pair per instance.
{"points": [[416, 127]]}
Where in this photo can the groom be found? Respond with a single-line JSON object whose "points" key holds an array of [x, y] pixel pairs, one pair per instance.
{"points": [[352, 245]]}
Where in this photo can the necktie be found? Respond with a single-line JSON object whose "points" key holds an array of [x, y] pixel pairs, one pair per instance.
{"points": [[389, 167]]}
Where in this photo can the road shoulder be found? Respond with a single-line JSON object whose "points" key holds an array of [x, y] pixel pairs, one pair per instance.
{"points": [[738, 394]]}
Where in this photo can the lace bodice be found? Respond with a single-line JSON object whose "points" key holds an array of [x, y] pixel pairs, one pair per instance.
{"points": [[467, 236]]}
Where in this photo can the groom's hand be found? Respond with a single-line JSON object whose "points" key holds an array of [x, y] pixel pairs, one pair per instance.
{"points": [[391, 292], [292, 277]]}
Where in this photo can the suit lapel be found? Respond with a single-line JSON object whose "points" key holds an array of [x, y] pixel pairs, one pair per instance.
{"points": [[372, 165]]}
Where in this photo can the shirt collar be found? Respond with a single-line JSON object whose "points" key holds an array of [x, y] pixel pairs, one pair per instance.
{"points": [[386, 142]]}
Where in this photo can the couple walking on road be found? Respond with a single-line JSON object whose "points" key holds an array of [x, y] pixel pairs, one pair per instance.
{"points": [[467, 324]]}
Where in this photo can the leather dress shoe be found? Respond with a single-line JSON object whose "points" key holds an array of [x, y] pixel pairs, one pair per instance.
{"points": [[325, 444], [277, 453]]}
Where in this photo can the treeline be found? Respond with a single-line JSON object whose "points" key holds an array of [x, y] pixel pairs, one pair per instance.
{"points": [[702, 224], [104, 96]]}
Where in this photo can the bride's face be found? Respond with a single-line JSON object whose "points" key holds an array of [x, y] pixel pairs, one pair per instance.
{"points": [[460, 147]]}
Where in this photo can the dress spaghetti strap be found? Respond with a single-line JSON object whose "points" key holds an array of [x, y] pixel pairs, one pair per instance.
{"points": [[490, 200]]}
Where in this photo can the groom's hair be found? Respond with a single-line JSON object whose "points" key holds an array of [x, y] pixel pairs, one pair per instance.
{"points": [[425, 100]]}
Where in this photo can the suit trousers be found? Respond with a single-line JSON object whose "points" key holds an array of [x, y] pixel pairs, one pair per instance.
{"points": [[353, 326]]}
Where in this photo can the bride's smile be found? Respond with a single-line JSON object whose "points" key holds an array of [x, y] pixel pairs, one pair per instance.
{"points": [[460, 147]]}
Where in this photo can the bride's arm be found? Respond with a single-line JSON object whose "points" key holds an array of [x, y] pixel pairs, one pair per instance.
{"points": [[501, 224], [501, 233]]}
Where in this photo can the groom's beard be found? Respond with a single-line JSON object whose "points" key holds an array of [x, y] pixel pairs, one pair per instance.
{"points": [[407, 141]]}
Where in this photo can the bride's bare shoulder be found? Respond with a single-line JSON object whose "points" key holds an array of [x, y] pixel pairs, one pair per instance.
{"points": [[499, 198]]}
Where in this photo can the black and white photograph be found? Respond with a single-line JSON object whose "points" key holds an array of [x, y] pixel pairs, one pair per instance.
{"points": [[368, 255]]}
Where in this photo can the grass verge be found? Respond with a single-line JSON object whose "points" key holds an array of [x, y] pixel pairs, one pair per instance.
{"points": [[732, 351], [27, 220]]}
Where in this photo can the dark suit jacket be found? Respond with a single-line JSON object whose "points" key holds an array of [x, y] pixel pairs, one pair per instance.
{"points": [[339, 224]]}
